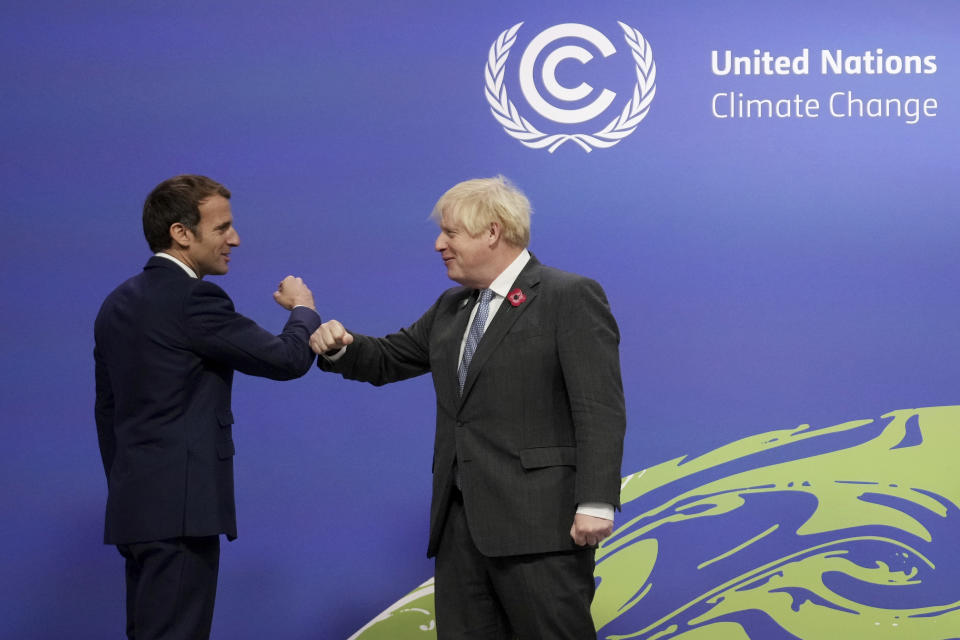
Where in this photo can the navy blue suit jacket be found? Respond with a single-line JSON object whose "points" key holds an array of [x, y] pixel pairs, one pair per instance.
{"points": [[166, 349]]}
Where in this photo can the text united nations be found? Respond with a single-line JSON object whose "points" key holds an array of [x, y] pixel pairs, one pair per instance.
{"points": [[839, 104]]}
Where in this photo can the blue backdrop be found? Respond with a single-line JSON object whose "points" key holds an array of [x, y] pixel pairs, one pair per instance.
{"points": [[766, 272]]}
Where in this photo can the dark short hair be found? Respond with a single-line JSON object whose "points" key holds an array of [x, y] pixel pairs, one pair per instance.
{"points": [[176, 200]]}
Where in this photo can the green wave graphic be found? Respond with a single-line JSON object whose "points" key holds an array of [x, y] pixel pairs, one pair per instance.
{"points": [[867, 511]]}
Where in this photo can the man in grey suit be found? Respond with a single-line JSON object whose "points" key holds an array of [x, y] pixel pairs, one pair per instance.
{"points": [[530, 421], [167, 344]]}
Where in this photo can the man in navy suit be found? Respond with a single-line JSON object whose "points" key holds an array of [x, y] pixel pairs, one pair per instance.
{"points": [[530, 422], [167, 344]]}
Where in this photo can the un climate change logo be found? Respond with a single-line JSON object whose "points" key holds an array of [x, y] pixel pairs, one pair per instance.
{"points": [[506, 112]]}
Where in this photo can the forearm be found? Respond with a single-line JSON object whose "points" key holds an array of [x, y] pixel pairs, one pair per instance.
{"points": [[379, 361], [221, 334]]}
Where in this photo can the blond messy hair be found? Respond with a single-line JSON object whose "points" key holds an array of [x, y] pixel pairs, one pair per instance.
{"points": [[477, 203]]}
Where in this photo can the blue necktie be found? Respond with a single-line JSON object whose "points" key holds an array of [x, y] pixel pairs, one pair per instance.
{"points": [[473, 337]]}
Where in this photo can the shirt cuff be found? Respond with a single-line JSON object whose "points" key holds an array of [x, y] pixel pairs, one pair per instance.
{"points": [[339, 354], [595, 509]]}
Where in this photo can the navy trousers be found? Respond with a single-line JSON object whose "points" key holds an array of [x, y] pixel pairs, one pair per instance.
{"points": [[171, 587]]}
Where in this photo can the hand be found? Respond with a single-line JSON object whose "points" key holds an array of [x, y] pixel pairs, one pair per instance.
{"points": [[331, 336], [292, 292], [587, 530]]}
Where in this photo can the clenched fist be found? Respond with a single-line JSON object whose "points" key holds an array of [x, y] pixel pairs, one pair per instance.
{"points": [[331, 336], [293, 292], [588, 530]]}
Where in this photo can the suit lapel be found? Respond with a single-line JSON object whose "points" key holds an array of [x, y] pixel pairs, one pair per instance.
{"points": [[449, 344], [528, 282]]}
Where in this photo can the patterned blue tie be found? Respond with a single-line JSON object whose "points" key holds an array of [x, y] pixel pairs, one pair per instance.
{"points": [[473, 337]]}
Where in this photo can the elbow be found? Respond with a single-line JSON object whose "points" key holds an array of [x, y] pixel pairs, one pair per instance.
{"points": [[297, 364], [291, 374], [302, 367]]}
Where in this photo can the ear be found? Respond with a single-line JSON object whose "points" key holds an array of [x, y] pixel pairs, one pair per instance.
{"points": [[181, 235], [494, 232]]}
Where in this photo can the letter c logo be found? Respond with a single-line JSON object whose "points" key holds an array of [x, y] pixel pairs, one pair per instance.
{"points": [[549, 71]]}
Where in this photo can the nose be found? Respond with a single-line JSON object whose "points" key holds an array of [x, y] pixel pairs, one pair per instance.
{"points": [[234, 239], [441, 242]]}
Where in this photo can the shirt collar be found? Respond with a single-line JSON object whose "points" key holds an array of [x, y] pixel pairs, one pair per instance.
{"points": [[502, 283], [190, 272]]}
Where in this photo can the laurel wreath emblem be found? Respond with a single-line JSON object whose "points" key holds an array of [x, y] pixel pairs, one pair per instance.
{"points": [[619, 128]]}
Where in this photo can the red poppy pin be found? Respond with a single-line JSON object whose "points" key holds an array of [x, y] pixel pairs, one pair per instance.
{"points": [[516, 297]]}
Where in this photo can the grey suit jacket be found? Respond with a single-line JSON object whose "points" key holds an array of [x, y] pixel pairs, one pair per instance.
{"points": [[539, 427]]}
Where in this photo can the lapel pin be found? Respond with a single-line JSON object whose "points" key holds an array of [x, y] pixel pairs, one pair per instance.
{"points": [[516, 297]]}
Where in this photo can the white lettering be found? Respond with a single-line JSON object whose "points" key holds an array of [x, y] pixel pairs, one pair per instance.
{"points": [[761, 63], [735, 105], [874, 63], [843, 104]]}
